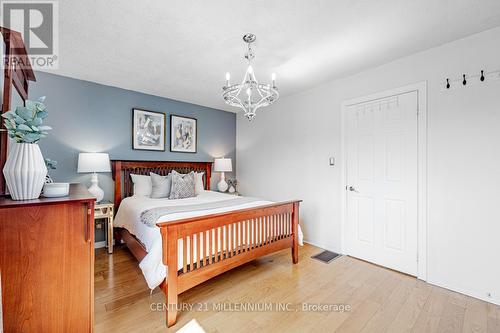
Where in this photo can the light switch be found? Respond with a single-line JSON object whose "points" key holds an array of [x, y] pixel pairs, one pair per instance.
{"points": [[332, 161]]}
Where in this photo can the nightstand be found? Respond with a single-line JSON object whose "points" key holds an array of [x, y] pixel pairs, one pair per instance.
{"points": [[105, 210]]}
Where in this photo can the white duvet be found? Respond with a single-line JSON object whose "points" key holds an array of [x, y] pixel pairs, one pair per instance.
{"points": [[128, 217]]}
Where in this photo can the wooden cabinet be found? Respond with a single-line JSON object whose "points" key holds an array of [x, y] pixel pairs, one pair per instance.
{"points": [[47, 263]]}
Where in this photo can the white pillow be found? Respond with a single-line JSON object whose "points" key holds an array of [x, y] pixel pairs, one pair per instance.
{"points": [[161, 185], [198, 183], [142, 185]]}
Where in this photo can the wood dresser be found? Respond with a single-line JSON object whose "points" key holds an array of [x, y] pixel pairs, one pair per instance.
{"points": [[47, 263]]}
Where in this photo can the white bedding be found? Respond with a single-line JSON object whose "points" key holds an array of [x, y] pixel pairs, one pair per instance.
{"points": [[128, 217]]}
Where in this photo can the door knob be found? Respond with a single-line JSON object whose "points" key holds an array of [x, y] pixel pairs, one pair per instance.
{"points": [[352, 189]]}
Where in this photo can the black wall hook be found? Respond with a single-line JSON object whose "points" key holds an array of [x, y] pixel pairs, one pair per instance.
{"points": [[464, 82], [447, 83], [482, 76]]}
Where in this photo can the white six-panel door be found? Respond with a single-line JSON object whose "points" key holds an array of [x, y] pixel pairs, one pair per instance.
{"points": [[382, 182]]}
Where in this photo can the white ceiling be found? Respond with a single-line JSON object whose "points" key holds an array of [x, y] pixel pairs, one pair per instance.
{"points": [[182, 49]]}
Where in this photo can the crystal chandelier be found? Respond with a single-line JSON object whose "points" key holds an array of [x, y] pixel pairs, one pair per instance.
{"points": [[250, 95]]}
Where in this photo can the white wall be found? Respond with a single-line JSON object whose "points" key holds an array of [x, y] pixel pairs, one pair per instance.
{"points": [[284, 153]]}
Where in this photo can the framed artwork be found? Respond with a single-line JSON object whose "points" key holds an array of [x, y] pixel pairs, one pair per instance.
{"points": [[183, 134], [148, 130]]}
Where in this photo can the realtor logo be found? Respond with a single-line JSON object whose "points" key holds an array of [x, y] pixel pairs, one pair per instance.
{"points": [[37, 21]]}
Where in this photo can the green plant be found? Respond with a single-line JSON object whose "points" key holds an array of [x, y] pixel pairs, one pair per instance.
{"points": [[51, 164], [25, 124]]}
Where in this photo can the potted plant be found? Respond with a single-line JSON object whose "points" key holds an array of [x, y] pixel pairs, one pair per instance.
{"points": [[51, 165], [25, 168]]}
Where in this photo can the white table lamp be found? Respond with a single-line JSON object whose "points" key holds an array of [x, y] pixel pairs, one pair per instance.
{"points": [[222, 165], [94, 162]]}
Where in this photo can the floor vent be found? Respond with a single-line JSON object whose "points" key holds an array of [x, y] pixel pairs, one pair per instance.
{"points": [[326, 256]]}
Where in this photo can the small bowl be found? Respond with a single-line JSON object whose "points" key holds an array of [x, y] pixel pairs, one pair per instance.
{"points": [[54, 190]]}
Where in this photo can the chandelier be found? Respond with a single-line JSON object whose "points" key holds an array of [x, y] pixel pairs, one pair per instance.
{"points": [[250, 95]]}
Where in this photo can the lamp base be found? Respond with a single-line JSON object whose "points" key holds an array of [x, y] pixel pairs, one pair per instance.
{"points": [[222, 185], [94, 189]]}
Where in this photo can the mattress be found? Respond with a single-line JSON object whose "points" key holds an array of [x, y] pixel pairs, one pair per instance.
{"points": [[128, 217]]}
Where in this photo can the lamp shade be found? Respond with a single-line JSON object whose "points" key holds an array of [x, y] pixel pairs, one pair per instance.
{"points": [[223, 165], [93, 162]]}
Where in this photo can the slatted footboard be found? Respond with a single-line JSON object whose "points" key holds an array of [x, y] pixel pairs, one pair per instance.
{"points": [[214, 244]]}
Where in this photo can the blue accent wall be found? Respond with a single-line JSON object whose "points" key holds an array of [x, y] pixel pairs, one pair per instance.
{"points": [[90, 117]]}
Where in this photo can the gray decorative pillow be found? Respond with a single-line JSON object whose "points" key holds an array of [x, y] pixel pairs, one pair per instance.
{"points": [[160, 185], [182, 185]]}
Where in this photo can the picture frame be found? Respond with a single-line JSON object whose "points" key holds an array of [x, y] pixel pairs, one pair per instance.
{"points": [[148, 130], [183, 134]]}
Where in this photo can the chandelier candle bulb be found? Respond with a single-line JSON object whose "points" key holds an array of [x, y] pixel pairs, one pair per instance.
{"points": [[228, 76]]}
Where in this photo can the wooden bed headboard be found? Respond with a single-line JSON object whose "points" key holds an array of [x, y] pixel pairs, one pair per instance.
{"points": [[122, 170]]}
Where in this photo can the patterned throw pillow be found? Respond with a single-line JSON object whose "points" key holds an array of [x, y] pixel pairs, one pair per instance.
{"points": [[182, 185]]}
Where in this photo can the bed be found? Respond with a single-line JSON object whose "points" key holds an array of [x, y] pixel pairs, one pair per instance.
{"points": [[189, 246]]}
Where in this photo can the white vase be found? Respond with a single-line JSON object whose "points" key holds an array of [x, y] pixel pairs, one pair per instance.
{"points": [[25, 171]]}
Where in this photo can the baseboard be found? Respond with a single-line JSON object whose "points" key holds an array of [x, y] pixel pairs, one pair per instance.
{"points": [[101, 244], [466, 292], [324, 247], [98, 245]]}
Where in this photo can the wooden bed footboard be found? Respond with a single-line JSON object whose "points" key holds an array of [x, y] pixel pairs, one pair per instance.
{"points": [[214, 244]]}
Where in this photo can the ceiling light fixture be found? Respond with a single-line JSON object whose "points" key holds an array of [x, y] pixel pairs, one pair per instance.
{"points": [[250, 95]]}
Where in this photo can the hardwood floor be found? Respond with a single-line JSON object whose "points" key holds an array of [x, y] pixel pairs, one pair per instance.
{"points": [[381, 300]]}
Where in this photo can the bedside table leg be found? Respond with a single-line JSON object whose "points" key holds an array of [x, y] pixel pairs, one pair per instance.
{"points": [[110, 234]]}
